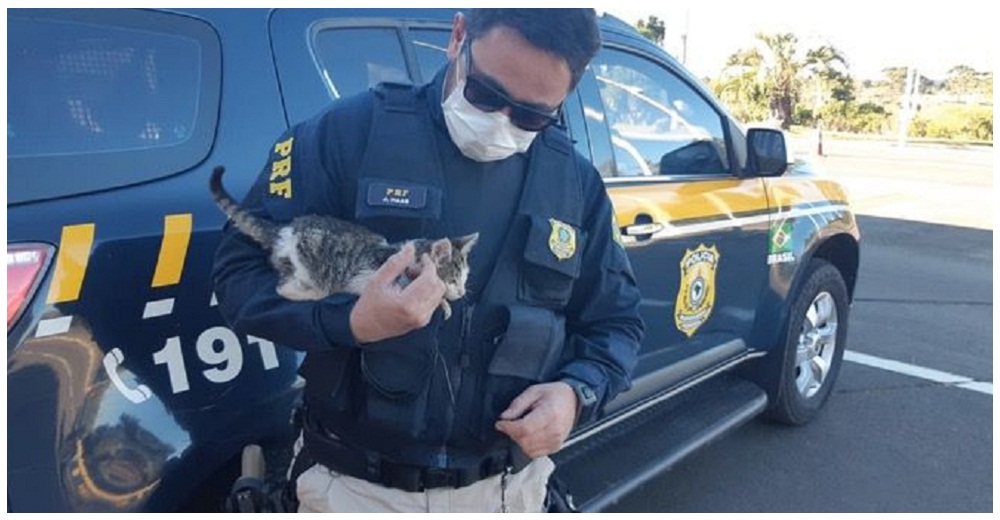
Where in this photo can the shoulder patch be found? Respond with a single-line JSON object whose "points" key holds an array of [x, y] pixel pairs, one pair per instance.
{"points": [[616, 231], [281, 169], [562, 239]]}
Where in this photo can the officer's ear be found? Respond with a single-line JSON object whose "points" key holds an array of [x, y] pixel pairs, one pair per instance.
{"points": [[441, 250], [457, 36]]}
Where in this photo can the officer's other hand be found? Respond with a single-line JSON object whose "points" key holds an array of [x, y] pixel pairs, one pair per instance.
{"points": [[385, 310], [540, 419]]}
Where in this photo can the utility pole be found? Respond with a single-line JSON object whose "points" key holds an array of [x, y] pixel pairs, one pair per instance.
{"points": [[684, 37], [908, 103]]}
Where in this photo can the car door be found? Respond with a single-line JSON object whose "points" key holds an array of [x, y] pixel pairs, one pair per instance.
{"points": [[695, 230]]}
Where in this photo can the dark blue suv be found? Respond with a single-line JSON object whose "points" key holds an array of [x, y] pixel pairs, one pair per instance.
{"points": [[127, 392]]}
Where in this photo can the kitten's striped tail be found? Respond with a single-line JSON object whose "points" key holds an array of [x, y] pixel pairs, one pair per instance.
{"points": [[260, 230]]}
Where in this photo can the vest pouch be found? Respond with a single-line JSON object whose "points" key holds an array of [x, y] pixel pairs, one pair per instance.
{"points": [[531, 345], [327, 373], [551, 264], [396, 373], [526, 354], [397, 210]]}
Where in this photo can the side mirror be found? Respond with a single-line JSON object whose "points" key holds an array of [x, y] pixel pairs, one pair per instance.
{"points": [[766, 152]]}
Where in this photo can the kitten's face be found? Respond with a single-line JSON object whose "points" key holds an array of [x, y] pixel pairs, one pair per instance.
{"points": [[451, 256]]}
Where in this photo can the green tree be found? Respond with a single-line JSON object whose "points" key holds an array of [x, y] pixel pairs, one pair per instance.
{"points": [[964, 83], [961, 81], [828, 68], [776, 70], [985, 89], [741, 88], [652, 28], [895, 81], [895, 78]]}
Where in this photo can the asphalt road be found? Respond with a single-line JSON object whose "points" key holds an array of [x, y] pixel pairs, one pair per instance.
{"points": [[887, 441]]}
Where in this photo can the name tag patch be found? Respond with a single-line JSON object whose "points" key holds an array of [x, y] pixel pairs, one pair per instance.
{"points": [[396, 196]]}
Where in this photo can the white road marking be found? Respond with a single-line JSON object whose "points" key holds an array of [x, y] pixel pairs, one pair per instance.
{"points": [[158, 308], [53, 326], [928, 374], [977, 386]]}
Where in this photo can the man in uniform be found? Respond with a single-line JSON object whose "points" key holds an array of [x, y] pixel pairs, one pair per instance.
{"points": [[407, 411]]}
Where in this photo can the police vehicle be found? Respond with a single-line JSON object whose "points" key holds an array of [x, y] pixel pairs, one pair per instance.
{"points": [[127, 392]]}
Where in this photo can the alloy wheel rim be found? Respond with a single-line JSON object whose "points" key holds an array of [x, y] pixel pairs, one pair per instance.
{"points": [[816, 346]]}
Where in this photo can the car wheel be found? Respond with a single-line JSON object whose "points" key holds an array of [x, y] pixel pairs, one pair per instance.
{"points": [[814, 345]]}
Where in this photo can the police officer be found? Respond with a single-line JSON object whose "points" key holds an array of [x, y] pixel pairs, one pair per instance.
{"points": [[405, 410]]}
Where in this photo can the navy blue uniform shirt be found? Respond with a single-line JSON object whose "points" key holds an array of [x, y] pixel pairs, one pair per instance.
{"points": [[313, 179]]}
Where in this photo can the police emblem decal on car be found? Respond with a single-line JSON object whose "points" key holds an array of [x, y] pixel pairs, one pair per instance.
{"points": [[696, 296]]}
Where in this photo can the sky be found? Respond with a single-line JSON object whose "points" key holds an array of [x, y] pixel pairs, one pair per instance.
{"points": [[873, 35]]}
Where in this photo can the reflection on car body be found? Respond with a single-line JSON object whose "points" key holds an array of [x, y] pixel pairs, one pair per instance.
{"points": [[126, 391]]}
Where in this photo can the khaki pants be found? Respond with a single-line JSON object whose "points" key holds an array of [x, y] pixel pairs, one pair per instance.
{"points": [[323, 491]]}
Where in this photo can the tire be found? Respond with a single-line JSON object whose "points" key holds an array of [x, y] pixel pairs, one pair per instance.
{"points": [[815, 340]]}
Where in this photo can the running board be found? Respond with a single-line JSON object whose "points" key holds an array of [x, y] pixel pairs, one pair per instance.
{"points": [[603, 468]]}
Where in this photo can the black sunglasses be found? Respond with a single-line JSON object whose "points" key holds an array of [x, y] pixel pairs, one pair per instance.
{"points": [[488, 98]]}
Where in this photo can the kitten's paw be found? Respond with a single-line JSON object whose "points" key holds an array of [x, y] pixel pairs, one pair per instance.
{"points": [[446, 308]]}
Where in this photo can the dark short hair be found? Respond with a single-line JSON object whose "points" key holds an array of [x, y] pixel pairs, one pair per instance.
{"points": [[571, 34]]}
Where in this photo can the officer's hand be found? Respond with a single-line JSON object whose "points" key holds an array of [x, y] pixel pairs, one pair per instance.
{"points": [[386, 310], [540, 419]]}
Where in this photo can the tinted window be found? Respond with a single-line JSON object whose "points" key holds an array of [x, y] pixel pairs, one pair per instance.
{"points": [[354, 60], [596, 124], [94, 93], [659, 125], [431, 48], [75, 88]]}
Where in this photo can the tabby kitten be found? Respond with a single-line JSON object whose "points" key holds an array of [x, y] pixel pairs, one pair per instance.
{"points": [[316, 256]]}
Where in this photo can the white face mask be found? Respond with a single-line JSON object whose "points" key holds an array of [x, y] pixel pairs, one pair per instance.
{"points": [[482, 136]]}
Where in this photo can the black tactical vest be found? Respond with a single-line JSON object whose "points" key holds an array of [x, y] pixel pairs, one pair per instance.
{"points": [[432, 397]]}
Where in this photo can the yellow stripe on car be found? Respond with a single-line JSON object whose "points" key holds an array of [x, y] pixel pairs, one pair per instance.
{"points": [[71, 263], [673, 202], [789, 192], [173, 249]]}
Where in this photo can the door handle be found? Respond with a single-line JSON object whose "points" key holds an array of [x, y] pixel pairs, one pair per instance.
{"points": [[644, 228]]}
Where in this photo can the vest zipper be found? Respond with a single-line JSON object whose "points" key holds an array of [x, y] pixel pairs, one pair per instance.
{"points": [[464, 363], [467, 323]]}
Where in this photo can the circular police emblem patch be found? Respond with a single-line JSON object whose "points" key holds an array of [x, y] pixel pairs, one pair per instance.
{"points": [[562, 240], [696, 296]]}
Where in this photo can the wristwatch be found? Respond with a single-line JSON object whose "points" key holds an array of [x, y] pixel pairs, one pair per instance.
{"points": [[586, 400]]}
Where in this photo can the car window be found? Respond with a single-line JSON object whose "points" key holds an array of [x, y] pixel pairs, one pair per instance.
{"points": [[91, 93], [659, 125], [596, 125], [77, 88], [353, 60], [431, 48]]}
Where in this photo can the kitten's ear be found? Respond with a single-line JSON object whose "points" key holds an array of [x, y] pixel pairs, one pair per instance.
{"points": [[464, 244], [441, 249]]}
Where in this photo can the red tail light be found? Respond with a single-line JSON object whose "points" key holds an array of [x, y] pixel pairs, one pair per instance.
{"points": [[25, 264]]}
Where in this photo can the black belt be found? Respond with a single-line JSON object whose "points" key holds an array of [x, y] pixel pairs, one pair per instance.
{"points": [[366, 465]]}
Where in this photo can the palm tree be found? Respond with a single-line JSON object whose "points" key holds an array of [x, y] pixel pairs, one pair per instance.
{"points": [[740, 88], [826, 66], [782, 71], [652, 28], [776, 68]]}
